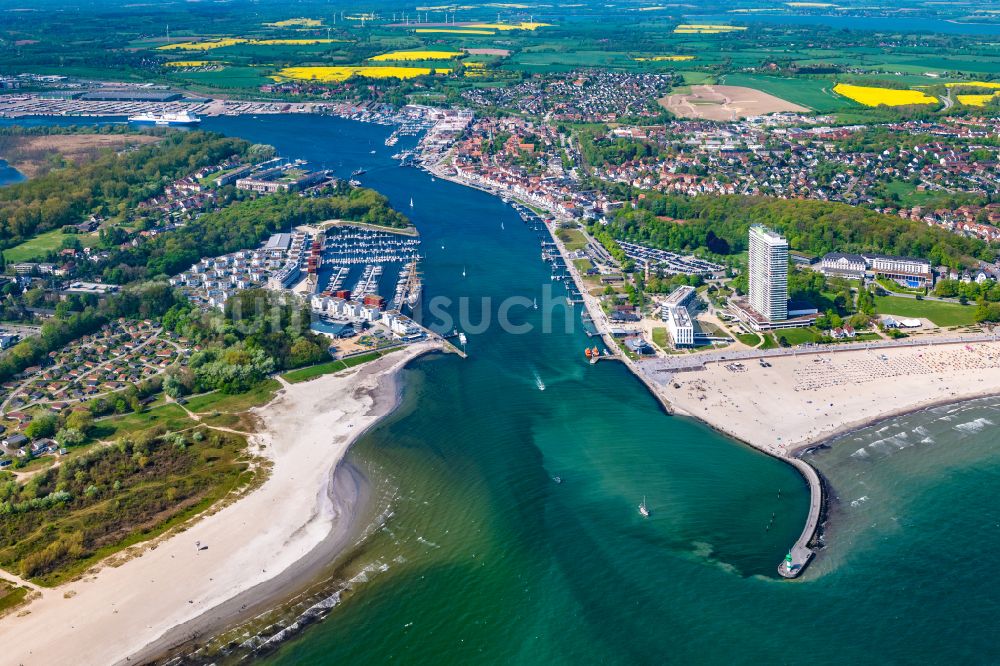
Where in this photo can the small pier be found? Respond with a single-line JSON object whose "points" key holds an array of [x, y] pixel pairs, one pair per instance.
{"points": [[801, 554]]}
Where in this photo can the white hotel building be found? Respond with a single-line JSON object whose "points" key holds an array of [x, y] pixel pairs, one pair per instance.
{"points": [[767, 305], [675, 313], [768, 274]]}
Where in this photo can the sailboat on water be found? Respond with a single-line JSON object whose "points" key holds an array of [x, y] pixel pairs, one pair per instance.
{"points": [[463, 271], [643, 509], [411, 202]]}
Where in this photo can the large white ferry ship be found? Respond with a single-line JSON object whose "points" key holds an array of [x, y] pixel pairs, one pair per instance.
{"points": [[178, 118]]}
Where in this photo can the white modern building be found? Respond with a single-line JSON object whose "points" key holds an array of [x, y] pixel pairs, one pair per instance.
{"points": [[768, 274], [905, 270], [675, 313]]}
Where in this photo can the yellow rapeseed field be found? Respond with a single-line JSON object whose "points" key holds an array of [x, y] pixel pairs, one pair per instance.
{"points": [[974, 84], [202, 46], [705, 29], [336, 74], [870, 96], [523, 25], [667, 58], [301, 22], [454, 32], [395, 56], [233, 41], [976, 100]]}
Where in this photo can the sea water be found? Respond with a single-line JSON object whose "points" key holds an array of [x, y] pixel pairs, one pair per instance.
{"points": [[484, 558]]}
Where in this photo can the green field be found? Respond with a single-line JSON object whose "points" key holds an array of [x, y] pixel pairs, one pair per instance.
{"points": [[942, 314], [798, 336], [222, 402], [171, 417], [573, 239], [37, 247], [660, 338], [817, 94], [692, 78], [228, 77], [313, 371]]}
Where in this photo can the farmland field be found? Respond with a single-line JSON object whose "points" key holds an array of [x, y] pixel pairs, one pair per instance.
{"points": [[332, 74], [725, 103], [228, 77], [872, 96], [816, 94], [393, 56], [554, 61]]}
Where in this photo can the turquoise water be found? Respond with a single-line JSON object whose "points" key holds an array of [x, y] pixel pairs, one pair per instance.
{"points": [[486, 559]]}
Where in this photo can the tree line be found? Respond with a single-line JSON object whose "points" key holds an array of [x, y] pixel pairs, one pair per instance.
{"points": [[719, 225], [108, 186]]}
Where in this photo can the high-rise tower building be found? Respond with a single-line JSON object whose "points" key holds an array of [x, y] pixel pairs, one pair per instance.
{"points": [[768, 273]]}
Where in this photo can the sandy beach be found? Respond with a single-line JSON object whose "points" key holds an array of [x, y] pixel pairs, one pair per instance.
{"points": [[113, 615], [800, 400]]}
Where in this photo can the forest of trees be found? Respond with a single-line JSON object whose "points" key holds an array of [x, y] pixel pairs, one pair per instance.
{"points": [[258, 333], [107, 186], [720, 224]]}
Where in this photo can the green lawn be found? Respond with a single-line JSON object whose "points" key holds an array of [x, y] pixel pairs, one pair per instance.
{"points": [[313, 371], [749, 339], [798, 336], [222, 402], [660, 338], [40, 245], [942, 314], [583, 265], [573, 239]]}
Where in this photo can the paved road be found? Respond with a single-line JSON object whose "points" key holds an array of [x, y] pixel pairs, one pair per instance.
{"points": [[660, 366]]}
